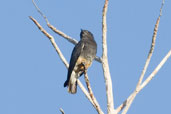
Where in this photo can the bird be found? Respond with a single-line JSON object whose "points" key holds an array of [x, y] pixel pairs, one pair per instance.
{"points": [[81, 59]]}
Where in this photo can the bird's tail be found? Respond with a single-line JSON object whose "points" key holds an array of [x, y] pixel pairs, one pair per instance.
{"points": [[72, 84], [72, 87]]}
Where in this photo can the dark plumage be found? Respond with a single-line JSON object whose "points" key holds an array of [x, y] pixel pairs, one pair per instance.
{"points": [[82, 56]]}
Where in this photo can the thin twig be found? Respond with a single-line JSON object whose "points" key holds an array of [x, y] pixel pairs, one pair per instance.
{"points": [[62, 111], [107, 76], [70, 39], [63, 59], [53, 28], [151, 76], [52, 41], [152, 47], [97, 106], [40, 12]]}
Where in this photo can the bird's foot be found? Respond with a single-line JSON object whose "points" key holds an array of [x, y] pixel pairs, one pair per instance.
{"points": [[84, 67]]}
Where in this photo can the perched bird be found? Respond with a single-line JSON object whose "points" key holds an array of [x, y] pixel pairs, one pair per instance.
{"points": [[82, 56]]}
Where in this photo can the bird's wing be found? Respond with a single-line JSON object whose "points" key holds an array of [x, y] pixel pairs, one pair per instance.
{"points": [[74, 57]]}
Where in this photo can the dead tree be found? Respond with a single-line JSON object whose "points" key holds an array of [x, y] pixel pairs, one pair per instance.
{"points": [[104, 61]]}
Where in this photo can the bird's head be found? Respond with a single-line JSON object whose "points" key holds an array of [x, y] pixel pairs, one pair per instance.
{"points": [[86, 34]]}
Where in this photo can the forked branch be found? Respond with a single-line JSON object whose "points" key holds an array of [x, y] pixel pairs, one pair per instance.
{"points": [[52, 40], [127, 103], [150, 77], [70, 39]]}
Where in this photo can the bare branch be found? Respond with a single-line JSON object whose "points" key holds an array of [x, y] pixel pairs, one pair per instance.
{"points": [[151, 76], [97, 106], [107, 77], [152, 47], [122, 106], [62, 58], [53, 28], [85, 92], [40, 12], [62, 111], [133, 95], [52, 41], [70, 39]]}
